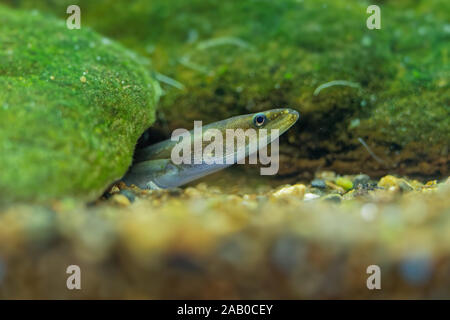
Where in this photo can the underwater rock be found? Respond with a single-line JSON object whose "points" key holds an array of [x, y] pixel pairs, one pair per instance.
{"points": [[344, 183], [297, 191], [335, 187], [318, 183], [72, 107], [129, 194], [361, 179], [335, 198], [392, 183], [120, 200]]}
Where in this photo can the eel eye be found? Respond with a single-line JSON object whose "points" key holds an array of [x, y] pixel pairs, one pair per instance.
{"points": [[259, 119]]}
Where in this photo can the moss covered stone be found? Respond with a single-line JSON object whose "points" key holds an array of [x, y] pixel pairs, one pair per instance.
{"points": [[72, 106]]}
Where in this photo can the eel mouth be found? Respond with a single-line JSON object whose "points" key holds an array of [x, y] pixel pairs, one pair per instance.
{"points": [[282, 119]]}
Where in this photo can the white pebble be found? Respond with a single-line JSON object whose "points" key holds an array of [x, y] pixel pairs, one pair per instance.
{"points": [[310, 196]]}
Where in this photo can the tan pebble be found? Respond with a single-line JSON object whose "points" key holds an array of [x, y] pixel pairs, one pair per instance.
{"points": [[83, 79], [114, 189], [431, 183], [392, 183], [388, 181], [297, 190], [333, 186], [121, 185], [310, 196], [121, 200]]}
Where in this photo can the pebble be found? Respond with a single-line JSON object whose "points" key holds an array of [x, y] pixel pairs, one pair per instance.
{"points": [[361, 179], [297, 190], [114, 189], [318, 183], [392, 183], [121, 200], [335, 187], [129, 194], [310, 196], [344, 183], [405, 186], [332, 198]]}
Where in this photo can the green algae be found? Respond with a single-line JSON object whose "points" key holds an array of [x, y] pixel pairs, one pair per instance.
{"points": [[72, 107], [344, 183], [245, 56], [217, 60]]}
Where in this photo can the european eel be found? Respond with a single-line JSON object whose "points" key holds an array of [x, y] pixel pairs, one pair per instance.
{"points": [[153, 168]]}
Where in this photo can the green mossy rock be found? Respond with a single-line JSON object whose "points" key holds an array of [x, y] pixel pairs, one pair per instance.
{"points": [[72, 106]]}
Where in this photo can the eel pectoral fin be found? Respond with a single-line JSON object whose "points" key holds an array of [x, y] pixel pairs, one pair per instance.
{"points": [[144, 174]]}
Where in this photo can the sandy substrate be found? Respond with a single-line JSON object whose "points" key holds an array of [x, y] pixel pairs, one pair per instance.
{"points": [[203, 241]]}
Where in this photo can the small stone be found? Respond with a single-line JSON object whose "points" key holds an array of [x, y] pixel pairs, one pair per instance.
{"points": [[344, 183], [129, 194], [351, 194], [332, 198], [361, 179], [310, 196], [405, 186], [121, 185], [121, 200], [430, 184], [335, 187], [114, 189], [392, 183], [297, 190], [318, 183], [388, 182]]}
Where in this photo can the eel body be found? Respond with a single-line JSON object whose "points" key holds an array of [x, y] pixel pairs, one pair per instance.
{"points": [[154, 168]]}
